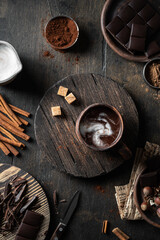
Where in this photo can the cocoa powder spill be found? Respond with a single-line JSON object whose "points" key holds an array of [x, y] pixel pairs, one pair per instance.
{"points": [[47, 54], [61, 32]]}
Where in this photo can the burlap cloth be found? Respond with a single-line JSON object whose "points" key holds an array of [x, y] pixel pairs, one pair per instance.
{"points": [[124, 194]]}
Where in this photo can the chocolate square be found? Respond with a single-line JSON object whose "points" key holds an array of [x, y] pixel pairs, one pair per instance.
{"points": [[149, 179], [33, 218], [137, 20], [127, 14], [123, 35], [136, 44], [138, 30], [153, 48], [21, 238], [137, 5], [154, 22], [147, 12], [115, 25], [27, 231]]}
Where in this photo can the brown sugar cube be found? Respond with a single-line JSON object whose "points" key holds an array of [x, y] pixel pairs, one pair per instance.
{"points": [[56, 111], [70, 98], [62, 91]]}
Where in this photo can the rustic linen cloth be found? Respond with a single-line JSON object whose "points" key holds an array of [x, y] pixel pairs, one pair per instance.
{"points": [[124, 194]]}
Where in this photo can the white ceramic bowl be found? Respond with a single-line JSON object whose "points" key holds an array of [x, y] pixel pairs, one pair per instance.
{"points": [[10, 64]]}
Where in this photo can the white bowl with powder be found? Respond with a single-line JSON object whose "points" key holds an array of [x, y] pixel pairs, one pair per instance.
{"points": [[10, 64]]}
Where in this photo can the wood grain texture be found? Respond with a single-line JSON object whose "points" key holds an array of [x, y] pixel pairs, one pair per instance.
{"points": [[6, 173], [56, 135]]}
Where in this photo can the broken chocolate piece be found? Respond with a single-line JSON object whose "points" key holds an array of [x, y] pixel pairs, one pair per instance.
{"points": [[7, 189], [149, 179], [137, 38], [33, 218], [27, 231]]}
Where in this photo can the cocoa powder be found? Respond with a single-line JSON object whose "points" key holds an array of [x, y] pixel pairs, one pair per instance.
{"points": [[61, 32]]}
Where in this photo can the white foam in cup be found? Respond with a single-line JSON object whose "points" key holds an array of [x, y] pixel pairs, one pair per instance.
{"points": [[10, 64]]}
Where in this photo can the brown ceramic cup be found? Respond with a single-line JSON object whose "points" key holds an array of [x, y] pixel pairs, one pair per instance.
{"points": [[117, 144]]}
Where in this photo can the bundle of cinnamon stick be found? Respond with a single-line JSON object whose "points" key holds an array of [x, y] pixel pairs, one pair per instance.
{"points": [[11, 123]]}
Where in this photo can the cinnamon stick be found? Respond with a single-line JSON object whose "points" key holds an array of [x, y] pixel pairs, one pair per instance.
{"points": [[104, 227], [9, 111], [11, 149], [14, 131], [121, 235], [23, 120], [6, 119], [20, 118], [20, 111], [9, 135], [12, 142], [4, 149]]}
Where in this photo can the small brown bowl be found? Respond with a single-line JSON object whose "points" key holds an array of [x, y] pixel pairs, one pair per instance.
{"points": [[147, 216], [63, 47], [83, 114], [145, 72]]}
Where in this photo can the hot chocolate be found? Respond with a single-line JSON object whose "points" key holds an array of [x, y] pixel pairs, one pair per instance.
{"points": [[100, 127]]}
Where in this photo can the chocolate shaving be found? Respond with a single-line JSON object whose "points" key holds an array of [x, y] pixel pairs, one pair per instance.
{"points": [[19, 195], [28, 204], [7, 189], [18, 181]]}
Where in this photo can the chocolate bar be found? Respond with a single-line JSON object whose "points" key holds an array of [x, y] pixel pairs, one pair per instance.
{"points": [[29, 226], [137, 38], [27, 231], [135, 12], [149, 179], [32, 218]]}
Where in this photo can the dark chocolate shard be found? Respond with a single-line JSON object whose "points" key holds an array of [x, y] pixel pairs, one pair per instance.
{"points": [[7, 189], [149, 179], [21, 192], [33, 218], [28, 204], [27, 231], [19, 181]]}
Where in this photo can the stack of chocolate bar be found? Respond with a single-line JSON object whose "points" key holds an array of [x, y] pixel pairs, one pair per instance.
{"points": [[135, 27]]}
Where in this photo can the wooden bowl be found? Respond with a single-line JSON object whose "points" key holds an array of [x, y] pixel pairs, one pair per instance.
{"points": [[147, 216], [110, 9]]}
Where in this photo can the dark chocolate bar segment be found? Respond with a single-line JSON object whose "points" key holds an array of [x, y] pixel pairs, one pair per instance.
{"points": [[115, 25], [137, 5], [149, 179], [154, 22], [153, 48], [33, 218], [137, 38], [127, 14], [123, 35], [146, 13], [27, 231], [136, 20]]}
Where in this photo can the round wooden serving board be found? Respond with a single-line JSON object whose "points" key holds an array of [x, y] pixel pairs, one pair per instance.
{"points": [[34, 188], [56, 136]]}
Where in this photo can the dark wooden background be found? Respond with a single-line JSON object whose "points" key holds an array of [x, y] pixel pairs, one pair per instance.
{"points": [[21, 24]]}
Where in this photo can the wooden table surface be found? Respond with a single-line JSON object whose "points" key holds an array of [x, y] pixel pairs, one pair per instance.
{"points": [[21, 24]]}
